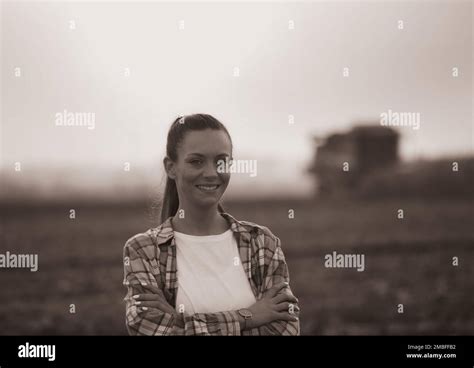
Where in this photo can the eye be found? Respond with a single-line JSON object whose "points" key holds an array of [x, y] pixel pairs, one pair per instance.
{"points": [[196, 162]]}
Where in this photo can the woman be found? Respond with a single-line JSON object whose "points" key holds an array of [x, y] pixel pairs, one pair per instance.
{"points": [[202, 272]]}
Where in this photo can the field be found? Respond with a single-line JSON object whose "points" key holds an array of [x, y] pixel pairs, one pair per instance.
{"points": [[408, 261]]}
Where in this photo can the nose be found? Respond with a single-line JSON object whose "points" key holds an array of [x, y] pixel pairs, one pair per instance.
{"points": [[210, 170]]}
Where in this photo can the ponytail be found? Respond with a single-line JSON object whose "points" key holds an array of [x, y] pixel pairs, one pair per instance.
{"points": [[170, 200]]}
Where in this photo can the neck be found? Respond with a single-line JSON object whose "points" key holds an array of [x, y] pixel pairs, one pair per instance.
{"points": [[199, 221]]}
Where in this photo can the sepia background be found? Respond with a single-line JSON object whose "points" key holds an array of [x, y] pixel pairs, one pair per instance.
{"points": [[301, 87]]}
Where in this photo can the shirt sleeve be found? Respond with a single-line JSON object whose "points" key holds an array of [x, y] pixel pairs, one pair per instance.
{"points": [[277, 272], [139, 271]]}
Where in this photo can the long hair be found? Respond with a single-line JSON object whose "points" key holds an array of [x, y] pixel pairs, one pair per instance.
{"points": [[176, 133]]}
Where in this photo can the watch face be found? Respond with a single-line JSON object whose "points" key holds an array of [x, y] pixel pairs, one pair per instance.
{"points": [[245, 313]]}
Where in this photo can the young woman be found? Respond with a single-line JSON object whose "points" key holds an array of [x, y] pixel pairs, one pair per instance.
{"points": [[202, 272]]}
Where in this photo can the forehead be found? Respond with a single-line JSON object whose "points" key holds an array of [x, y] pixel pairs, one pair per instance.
{"points": [[208, 142]]}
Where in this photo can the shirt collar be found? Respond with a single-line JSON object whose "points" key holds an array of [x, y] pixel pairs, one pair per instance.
{"points": [[165, 231]]}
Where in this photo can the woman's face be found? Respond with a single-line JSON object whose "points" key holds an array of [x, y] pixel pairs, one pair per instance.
{"points": [[198, 181]]}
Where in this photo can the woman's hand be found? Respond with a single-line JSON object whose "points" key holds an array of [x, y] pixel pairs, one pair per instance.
{"points": [[273, 306], [156, 299]]}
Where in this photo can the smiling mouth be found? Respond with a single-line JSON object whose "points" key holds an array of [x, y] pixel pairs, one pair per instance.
{"points": [[208, 188]]}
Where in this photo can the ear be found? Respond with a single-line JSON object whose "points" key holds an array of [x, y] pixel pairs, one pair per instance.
{"points": [[169, 167]]}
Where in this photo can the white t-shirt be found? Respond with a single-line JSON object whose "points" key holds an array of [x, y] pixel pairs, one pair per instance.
{"points": [[211, 277]]}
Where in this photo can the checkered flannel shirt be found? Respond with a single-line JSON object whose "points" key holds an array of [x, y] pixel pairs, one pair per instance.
{"points": [[150, 258]]}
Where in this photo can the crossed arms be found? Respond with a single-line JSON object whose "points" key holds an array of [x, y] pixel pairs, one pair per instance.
{"points": [[149, 313]]}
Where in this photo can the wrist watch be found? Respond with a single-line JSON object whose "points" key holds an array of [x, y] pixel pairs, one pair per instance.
{"points": [[246, 314]]}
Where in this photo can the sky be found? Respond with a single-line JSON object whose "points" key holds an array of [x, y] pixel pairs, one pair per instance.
{"points": [[133, 67]]}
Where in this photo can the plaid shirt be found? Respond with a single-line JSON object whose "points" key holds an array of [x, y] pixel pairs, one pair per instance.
{"points": [[150, 258]]}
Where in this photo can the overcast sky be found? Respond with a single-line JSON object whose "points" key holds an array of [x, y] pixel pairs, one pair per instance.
{"points": [[283, 72]]}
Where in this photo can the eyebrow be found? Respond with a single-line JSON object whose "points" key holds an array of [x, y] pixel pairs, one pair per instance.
{"points": [[201, 155]]}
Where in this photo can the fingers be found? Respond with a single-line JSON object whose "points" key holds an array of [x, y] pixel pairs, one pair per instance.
{"points": [[288, 307], [143, 297], [153, 301], [164, 307], [284, 297], [144, 287], [285, 316], [275, 289], [150, 304], [153, 289]]}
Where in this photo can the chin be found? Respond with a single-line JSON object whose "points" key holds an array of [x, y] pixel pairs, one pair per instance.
{"points": [[206, 202]]}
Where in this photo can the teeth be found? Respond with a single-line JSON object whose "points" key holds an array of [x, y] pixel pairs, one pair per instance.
{"points": [[207, 187]]}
